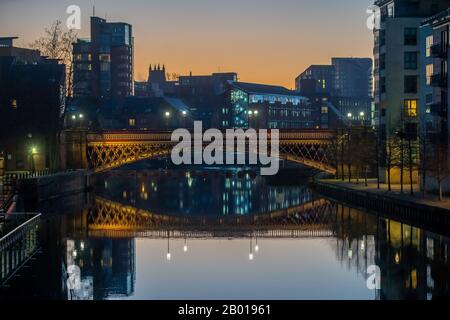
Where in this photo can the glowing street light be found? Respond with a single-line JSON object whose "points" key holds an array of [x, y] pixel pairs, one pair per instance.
{"points": [[250, 112], [81, 116], [33, 150], [256, 112], [362, 114], [167, 114], [349, 115], [184, 113], [74, 117]]}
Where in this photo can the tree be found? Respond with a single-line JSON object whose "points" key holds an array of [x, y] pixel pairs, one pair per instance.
{"points": [[438, 162], [57, 44]]}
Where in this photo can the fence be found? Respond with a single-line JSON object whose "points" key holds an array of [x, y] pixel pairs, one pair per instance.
{"points": [[19, 245]]}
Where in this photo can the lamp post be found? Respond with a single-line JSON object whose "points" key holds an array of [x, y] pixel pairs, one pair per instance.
{"points": [[34, 152]]}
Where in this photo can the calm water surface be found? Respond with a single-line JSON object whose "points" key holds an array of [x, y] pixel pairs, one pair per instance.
{"points": [[215, 234]]}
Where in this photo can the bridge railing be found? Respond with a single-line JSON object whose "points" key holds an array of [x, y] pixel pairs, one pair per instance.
{"points": [[119, 136], [18, 245]]}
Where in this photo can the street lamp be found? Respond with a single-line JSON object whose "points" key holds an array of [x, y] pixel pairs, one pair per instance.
{"points": [[349, 115], [185, 248], [167, 114], [184, 113]]}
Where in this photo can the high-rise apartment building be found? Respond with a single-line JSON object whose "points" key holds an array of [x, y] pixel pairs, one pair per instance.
{"points": [[103, 65], [352, 77], [434, 95], [397, 68]]}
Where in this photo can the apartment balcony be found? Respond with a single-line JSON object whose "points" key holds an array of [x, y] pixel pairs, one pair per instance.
{"points": [[438, 51], [439, 80]]}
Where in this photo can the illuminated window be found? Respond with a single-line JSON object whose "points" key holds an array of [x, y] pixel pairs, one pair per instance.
{"points": [[14, 103], [132, 122], [324, 110], [429, 45], [429, 73], [411, 107]]}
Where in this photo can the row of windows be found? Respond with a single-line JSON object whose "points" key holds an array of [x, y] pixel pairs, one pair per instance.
{"points": [[290, 124], [274, 98]]}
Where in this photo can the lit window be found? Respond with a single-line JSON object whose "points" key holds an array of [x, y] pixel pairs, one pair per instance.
{"points": [[429, 73], [132, 122], [411, 108], [14, 103], [429, 45]]}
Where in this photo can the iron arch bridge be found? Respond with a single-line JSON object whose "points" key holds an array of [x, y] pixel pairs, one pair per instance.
{"points": [[311, 219], [109, 150]]}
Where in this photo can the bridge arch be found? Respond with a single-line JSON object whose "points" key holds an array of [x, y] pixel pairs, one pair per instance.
{"points": [[108, 150]]}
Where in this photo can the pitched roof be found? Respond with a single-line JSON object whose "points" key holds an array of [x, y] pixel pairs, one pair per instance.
{"points": [[262, 88]]}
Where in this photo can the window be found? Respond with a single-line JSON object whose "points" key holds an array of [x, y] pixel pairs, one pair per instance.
{"points": [[391, 11], [410, 36], [410, 84], [132, 122], [429, 73], [429, 45], [411, 60], [410, 106], [14, 103], [324, 110]]}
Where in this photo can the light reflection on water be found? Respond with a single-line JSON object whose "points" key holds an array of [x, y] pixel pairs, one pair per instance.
{"points": [[216, 235]]}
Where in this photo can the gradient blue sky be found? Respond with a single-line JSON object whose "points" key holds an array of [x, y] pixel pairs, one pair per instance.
{"points": [[267, 41]]}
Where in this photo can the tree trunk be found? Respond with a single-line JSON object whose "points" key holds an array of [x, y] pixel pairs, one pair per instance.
{"points": [[365, 177], [402, 165], [410, 168]]}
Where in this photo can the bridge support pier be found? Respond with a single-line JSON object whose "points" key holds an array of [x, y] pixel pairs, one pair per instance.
{"points": [[74, 149]]}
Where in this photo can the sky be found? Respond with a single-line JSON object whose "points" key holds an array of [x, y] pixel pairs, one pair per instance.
{"points": [[264, 41]]}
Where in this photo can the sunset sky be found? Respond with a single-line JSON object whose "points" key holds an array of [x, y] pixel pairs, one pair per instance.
{"points": [[265, 41]]}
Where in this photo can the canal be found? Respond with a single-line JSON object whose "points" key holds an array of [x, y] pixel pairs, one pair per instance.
{"points": [[146, 233]]}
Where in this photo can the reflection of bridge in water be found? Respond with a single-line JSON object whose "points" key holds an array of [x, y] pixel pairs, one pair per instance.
{"points": [[109, 150], [309, 220]]}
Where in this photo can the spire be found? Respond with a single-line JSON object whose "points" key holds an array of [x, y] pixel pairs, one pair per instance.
{"points": [[164, 68]]}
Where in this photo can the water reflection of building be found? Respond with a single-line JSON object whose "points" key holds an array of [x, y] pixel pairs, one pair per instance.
{"points": [[107, 267], [201, 192], [414, 263]]}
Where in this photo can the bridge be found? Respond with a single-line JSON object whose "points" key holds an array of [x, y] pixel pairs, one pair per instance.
{"points": [[113, 219], [111, 149]]}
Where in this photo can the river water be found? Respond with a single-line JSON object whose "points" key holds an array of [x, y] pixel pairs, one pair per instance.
{"points": [[145, 233]]}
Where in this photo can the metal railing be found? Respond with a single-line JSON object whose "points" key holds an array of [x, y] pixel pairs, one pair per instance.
{"points": [[18, 246], [15, 235]]}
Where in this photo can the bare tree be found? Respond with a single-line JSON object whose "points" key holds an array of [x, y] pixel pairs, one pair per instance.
{"points": [[438, 162], [57, 44]]}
